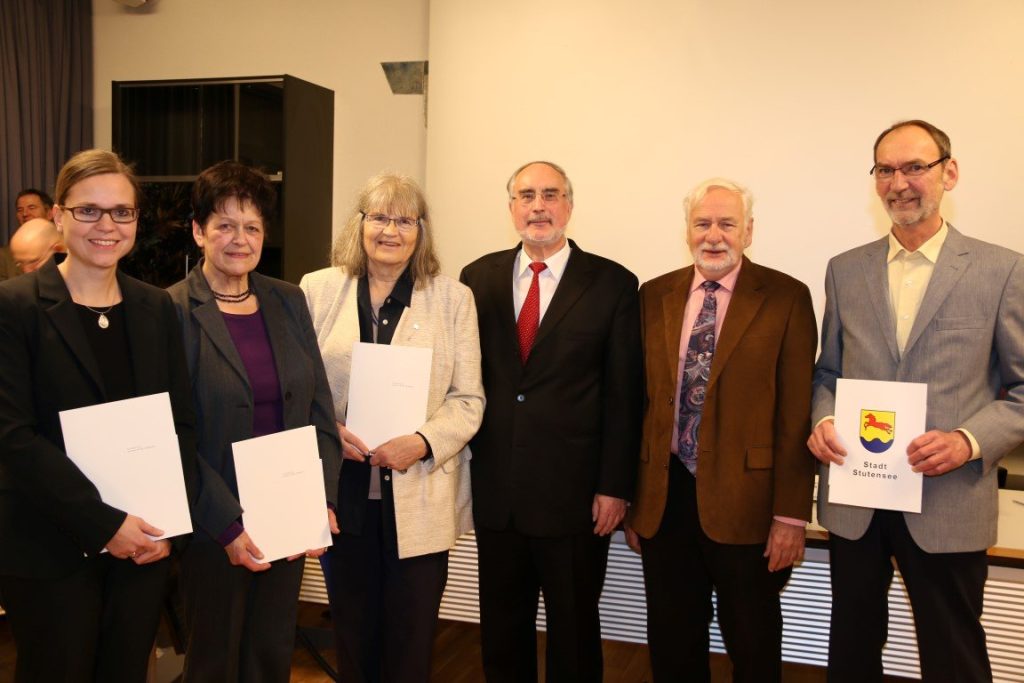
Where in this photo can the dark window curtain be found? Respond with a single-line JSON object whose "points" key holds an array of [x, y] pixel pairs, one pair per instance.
{"points": [[46, 88]]}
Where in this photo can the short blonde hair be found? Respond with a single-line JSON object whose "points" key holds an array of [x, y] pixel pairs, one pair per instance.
{"points": [[394, 195]]}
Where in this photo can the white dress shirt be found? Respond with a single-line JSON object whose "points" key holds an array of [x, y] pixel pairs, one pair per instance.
{"points": [[548, 279], [909, 275]]}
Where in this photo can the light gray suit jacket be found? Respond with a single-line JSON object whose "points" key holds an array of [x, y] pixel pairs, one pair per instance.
{"points": [[433, 504], [967, 344]]}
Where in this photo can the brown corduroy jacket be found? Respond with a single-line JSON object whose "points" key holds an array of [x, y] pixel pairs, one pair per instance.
{"points": [[753, 462]]}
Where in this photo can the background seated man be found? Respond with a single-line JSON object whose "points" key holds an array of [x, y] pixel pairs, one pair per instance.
{"points": [[34, 243], [32, 203]]}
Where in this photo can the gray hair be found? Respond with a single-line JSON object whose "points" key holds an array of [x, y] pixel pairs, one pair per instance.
{"points": [[553, 166], [698, 193]]}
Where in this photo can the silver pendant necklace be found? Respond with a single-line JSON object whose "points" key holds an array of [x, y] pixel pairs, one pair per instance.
{"points": [[102, 321]]}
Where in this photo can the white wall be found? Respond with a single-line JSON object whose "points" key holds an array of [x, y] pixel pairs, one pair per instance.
{"points": [[640, 100], [338, 44]]}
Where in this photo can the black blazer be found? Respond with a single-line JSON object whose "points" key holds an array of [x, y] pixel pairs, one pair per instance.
{"points": [[565, 426], [51, 515], [223, 395]]}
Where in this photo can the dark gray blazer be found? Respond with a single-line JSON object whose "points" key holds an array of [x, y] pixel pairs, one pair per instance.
{"points": [[223, 396]]}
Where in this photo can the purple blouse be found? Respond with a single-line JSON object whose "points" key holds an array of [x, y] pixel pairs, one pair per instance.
{"points": [[249, 332]]}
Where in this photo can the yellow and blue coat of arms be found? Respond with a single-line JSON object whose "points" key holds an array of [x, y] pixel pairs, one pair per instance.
{"points": [[877, 428]]}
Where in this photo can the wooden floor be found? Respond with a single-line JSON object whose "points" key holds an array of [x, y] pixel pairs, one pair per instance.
{"points": [[457, 656]]}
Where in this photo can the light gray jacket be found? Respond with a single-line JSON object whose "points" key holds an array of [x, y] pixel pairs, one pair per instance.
{"points": [[433, 504], [967, 343]]}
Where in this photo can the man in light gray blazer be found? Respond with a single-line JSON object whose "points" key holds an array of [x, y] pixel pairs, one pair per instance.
{"points": [[923, 304]]}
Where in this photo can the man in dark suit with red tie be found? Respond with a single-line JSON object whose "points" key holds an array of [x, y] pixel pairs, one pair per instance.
{"points": [[554, 462], [725, 481]]}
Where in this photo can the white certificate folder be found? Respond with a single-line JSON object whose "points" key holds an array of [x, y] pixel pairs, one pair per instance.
{"points": [[388, 390], [128, 449], [876, 421], [281, 489]]}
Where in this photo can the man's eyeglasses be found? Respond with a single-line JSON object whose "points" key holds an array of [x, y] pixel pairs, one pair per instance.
{"points": [[92, 214], [379, 221], [527, 197], [910, 170]]}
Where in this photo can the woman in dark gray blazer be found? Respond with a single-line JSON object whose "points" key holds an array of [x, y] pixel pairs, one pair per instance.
{"points": [[76, 335], [256, 369]]}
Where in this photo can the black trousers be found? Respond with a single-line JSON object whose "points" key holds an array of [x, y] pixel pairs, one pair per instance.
{"points": [[513, 570], [97, 624], [947, 592], [240, 625], [681, 567], [384, 609]]}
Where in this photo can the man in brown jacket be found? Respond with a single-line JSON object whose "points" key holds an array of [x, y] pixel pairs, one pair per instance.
{"points": [[725, 478]]}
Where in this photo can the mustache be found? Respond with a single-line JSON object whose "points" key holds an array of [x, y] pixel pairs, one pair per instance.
{"points": [[718, 248]]}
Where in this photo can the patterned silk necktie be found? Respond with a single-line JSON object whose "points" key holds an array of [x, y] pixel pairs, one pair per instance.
{"points": [[696, 372], [529, 314]]}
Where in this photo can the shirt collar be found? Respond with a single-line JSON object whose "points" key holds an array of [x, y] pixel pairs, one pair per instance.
{"points": [[402, 293], [930, 249], [727, 282], [556, 263]]}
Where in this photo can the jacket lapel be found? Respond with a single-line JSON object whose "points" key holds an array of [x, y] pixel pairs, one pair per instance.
{"points": [[673, 307], [743, 306], [502, 281], [954, 258], [65, 319], [876, 292], [140, 314], [274, 319], [575, 280], [500, 289], [414, 318], [209, 319]]}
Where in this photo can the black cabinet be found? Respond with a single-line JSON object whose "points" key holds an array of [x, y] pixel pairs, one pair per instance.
{"points": [[172, 130]]}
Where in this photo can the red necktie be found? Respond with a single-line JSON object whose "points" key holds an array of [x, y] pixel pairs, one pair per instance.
{"points": [[529, 315]]}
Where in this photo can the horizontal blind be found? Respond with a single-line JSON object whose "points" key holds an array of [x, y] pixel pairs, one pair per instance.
{"points": [[806, 606]]}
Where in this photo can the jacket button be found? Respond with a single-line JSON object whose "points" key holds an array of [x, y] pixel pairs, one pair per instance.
{"points": [[521, 397], [287, 395], [671, 400]]}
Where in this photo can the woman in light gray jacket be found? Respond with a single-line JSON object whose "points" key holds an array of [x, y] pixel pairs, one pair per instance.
{"points": [[403, 503]]}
